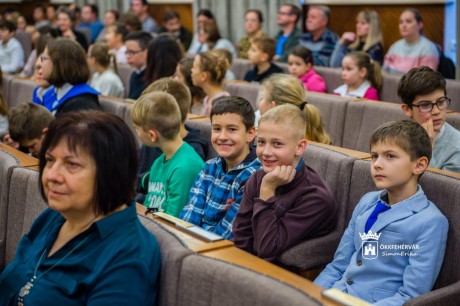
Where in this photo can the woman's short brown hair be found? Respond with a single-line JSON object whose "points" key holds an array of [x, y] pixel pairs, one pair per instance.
{"points": [[69, 62]]}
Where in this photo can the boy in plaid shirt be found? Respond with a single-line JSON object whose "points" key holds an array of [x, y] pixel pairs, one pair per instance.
{"points": [[217, 192]]}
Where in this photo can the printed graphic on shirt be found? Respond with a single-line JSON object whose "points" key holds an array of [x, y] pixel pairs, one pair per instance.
{"points": [[156, 196]]}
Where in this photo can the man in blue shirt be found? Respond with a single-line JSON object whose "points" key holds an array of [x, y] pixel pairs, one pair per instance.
{"points": [[288, 36], [90, 21]]}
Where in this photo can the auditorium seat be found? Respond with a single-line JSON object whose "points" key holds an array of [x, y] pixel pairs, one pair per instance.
{"points": [[173, 252], [454, 120], [249, 91], [7, 163], [362, 118], [21, 90], [204, 126], [24, 205], [333, 113], [335, 168], [6, 82], [453, 92], [124, 71], [206, 281], [25, 39], [332, 76], [240, 67], [389, 91]]}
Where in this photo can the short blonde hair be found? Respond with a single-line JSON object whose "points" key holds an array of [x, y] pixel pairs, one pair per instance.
{"points": [[289, 116], [157, 111]]}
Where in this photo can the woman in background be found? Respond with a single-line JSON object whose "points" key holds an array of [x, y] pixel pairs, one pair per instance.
{"points": [[368, 38]]}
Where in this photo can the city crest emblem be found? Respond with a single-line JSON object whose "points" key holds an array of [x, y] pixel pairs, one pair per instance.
{"points": [[370, 245]]}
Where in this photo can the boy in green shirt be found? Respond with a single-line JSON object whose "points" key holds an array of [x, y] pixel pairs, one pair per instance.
{"points": [[157, 119]]}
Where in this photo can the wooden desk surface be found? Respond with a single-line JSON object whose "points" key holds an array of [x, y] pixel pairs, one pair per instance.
{"points": [[354, 153], [241, 258], [25, 160], [194, 243]]}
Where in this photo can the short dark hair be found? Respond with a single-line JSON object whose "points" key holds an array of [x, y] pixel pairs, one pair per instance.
{"points": [[112, 145], [419, 81], [8, 25], [69, 62], [94, 9], [234, 105], [294, 10], [143, 38], [303, 53], [418, 17], [68, 12], [170, 15], [27, 121], [259, 14], [406, 134], [207, 13]]}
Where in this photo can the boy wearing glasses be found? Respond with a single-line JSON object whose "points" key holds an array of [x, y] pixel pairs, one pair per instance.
{"points": [[423, 95]]}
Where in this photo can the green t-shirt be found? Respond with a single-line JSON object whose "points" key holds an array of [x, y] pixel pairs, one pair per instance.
{"points": [[170, 180]]}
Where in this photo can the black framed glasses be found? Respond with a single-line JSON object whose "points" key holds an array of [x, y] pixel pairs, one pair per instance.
{"points": [[131, 53], [427, 106]]}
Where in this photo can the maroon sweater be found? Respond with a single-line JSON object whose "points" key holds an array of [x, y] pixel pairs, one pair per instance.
{"points": [[300, 210]]}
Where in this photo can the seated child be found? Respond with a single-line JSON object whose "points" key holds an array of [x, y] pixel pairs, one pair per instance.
{"points": [[225, 53], [423, 96], [104, 79], [157, 120], [217, 191], [184, 74], [286, 201], [300, 62], [361, 76], [208, 72], [28, 125], [191, 136], [398, 215], [261, 55]]}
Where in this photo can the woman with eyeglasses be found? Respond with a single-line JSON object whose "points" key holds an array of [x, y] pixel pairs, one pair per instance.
{"points": [[64, 66], [414, 49]]}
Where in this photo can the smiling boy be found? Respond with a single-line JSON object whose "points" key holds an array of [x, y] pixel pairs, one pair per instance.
{"points": [[423, 94], [399, 217], [217, 192], [286, 202]]}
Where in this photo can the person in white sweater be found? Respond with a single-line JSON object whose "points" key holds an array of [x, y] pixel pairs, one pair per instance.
{"points": [[104, 79]]}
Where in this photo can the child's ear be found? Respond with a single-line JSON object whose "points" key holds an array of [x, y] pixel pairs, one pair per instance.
{"points": [[264, 57], [250, 134], [420, 165], [44, 131], [407, 110], [301, 147], [153, 135], [309, 66], [362, 73]]}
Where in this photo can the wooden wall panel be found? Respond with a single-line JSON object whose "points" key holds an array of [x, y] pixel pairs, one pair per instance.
{"points": [[343, 18], [185, 12]]}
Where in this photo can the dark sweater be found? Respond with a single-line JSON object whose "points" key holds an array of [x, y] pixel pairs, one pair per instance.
{"points": [[79, 103], [301, 210], [136, 84], [254, 76], [150, 154]]}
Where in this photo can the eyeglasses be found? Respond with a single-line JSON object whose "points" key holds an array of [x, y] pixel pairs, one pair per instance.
{"points": [[44, 58], [131, 53], [427, 106], [284, 13]]}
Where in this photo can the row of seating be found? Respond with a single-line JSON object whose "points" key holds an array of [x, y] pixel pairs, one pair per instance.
{"points": [[333, 79], [349, 121], [203, 281], [187, 278]]}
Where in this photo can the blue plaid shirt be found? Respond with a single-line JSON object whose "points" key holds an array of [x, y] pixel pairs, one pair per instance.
{"points": [[215, 196], [322, 48]]}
